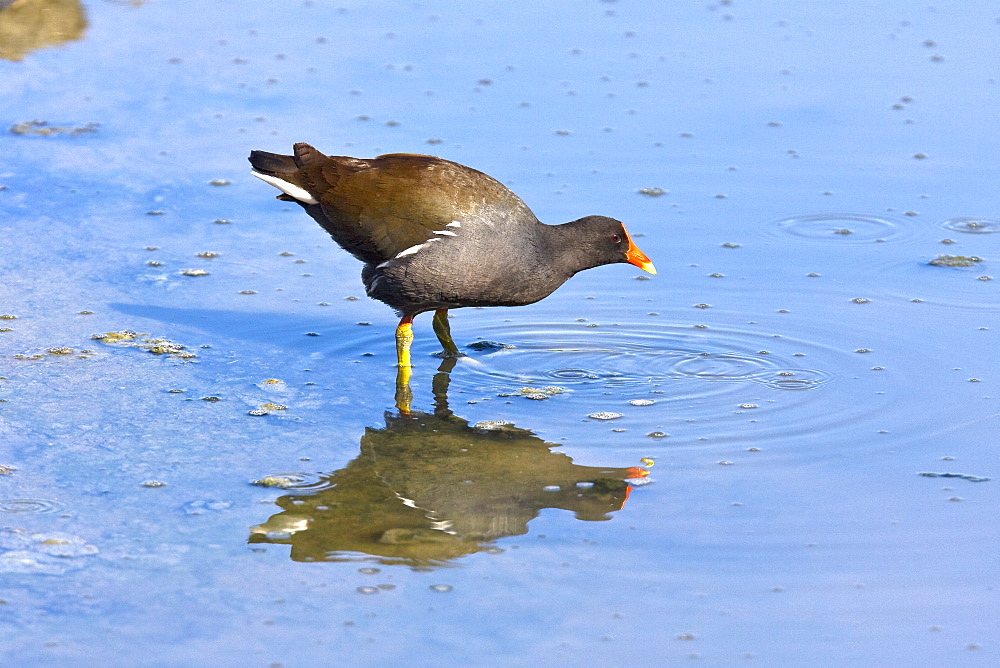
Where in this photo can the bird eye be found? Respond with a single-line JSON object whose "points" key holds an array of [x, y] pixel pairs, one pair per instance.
{"points": [[616, 238]]}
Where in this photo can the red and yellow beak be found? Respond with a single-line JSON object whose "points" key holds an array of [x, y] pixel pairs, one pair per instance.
{"points": [[637, 257]]}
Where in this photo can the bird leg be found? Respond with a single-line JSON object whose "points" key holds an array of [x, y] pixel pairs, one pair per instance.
{"points": [[443, 331], [404, 337]]}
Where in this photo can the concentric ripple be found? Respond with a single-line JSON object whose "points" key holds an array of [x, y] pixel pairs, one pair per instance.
{"points": [[840, 228], [29, 506], [681, 363], [698, 386], [794, 379], [972, 225], [720, 366]]}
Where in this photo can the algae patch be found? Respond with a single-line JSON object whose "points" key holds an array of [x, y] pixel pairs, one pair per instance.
{"points": [[44, 129], [536, 393], [267, 408], [955, 261], [126, 338]]}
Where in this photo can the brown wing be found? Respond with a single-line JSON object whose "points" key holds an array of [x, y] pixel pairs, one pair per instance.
{"points": [[376, 208]]}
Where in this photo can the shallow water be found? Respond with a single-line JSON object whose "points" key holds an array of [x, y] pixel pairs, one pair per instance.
{"points": [[779, 450]]}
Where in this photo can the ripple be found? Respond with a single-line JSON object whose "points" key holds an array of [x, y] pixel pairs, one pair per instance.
{"points": [[840, 228], [680, 363], [720, 366], [972, 225], [29, 506], [709, 385], [794, 379], [49, 553]]}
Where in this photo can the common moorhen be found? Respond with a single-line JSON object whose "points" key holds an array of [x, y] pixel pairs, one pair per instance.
{"points": [[436, 235]]}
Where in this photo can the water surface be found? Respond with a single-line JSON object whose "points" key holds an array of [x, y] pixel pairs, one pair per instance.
{"points": [[779, 450]]}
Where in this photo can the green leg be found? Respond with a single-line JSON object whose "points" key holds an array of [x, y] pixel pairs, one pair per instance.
{"points": [[443, 331]]}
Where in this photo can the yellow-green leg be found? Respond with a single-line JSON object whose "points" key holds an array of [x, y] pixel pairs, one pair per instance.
{"points": [[404, 337], [443, 331]]}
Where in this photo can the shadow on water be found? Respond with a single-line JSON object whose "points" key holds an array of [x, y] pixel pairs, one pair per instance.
{"points": [[246, 325], [429, 488]]}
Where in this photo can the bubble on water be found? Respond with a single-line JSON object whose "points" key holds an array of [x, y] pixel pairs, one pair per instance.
{"points": [[642, 402], [604, 415], [441, 588], [367, 590]]}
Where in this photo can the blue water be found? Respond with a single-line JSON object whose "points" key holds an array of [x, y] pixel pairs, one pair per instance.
{"points": [[775, 392]]}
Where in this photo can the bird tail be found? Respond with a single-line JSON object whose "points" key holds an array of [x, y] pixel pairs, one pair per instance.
{"points": [[273, 164], [282, 172]]}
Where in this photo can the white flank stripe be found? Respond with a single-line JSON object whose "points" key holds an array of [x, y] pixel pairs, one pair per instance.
{"points": [[447, 233], [454, 223], [288, 188], [406, 251], [409, 251]]}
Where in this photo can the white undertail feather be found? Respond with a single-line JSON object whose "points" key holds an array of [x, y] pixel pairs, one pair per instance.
{"points": [[289, 189], [454, 223]]}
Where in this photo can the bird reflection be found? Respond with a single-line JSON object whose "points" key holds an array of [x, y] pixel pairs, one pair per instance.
{"points": [[429, 487], [29, 25]]}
